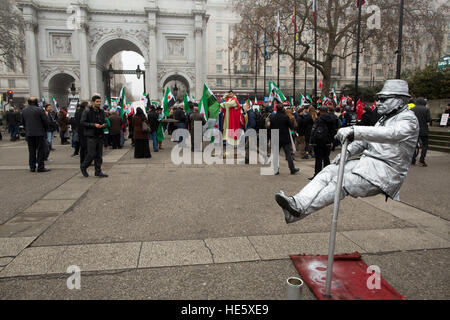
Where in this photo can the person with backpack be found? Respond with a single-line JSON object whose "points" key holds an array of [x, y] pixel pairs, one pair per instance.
{"points": [[322, 133]]}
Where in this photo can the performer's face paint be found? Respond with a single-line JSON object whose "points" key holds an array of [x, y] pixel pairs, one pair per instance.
{"points": [[387, 104]]}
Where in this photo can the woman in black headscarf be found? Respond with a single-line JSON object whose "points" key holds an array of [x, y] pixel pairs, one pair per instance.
{"points": [[141, 146]]}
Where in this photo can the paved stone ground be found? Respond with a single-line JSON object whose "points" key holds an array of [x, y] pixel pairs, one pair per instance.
{"points": [[154, 230]]}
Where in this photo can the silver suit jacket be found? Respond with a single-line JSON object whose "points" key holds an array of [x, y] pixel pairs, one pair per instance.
{"points": [[387, 150]]}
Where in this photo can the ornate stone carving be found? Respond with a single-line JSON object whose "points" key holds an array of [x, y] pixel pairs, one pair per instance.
{"points": [[96, 34], [175, 47], [47, 70], [61, 44], [165, 70]]}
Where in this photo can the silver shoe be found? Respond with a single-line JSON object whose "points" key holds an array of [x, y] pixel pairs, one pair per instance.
{"points": [[291, 212]]}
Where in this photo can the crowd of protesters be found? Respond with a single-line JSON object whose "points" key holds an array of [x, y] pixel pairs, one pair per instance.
{"points": [[306, 131]]}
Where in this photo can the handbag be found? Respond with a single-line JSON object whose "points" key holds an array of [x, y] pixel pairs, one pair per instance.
{"points": [[145, 127]]}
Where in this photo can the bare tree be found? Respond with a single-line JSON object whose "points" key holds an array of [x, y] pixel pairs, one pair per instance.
{"points": [[336, 28], [12, 45]]}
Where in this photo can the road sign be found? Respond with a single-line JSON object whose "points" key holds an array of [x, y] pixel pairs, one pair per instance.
{"points": [[443, 63]]}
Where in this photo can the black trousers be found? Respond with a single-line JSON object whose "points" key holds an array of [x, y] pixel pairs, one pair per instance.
{"points": [[36, 150], [423, 154], [83, 149], [94, 152], [115, 140], [322, 153], [287, 152]]}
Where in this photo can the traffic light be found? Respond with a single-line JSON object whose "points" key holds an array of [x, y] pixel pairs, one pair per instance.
{"points": [[10, 95]]}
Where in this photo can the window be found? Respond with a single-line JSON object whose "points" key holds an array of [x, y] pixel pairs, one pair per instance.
{"points": [[366, 84], [244, 54], [282, 83], [219, 54], [219, 82], [244, 68], [333, 70], [218, 26], [408, 60], [269, 69], [282, 70], [310, 70], [310, 55], [251, 82], [218, 68], [237, 83], [219, 41], [366, 59], [11, 83], [353, 59], [244, 83], [353, 71], [366, 71], [309, 83], [379, 72]]}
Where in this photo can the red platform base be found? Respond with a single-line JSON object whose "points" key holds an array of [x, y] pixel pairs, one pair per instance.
{"points": [[349, 278]]}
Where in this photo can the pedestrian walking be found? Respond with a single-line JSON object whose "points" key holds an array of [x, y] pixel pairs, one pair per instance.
{"points": [[12, 122], [93, 121], [35, 122], [423, 116]]}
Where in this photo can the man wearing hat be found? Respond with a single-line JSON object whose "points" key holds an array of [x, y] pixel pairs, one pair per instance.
{"points": [[387, 150]]}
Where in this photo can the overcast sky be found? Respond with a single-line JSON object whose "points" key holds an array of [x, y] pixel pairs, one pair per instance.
{"points": [[130, 61]]}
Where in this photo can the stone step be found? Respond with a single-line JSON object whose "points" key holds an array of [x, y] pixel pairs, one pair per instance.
{"points": [[439, 143], [439, 148]]}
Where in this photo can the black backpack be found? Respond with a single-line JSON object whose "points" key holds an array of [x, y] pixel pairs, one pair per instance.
{"points": [[260, 121], [319, 133]]}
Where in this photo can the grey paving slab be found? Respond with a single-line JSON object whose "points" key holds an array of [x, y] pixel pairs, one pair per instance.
{"points": [[427, 187], [35, 217], [134, 210], [23, 188], [5, 261], [11, 247], [24, 229], [51, 206], [233, 249], [281, 246], [258, 280], [425, 220], [98, 257], [33, 261], [115, 155], [396, 239], [174, 253]]}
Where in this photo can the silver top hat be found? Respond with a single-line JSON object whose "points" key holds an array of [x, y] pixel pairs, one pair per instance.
{"points": [[395, 87]]}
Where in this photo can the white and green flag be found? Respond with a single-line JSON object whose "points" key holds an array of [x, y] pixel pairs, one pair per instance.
{"points": [[186, 101], [168, 102], [211, 103], [333, 91], [275, 93]]}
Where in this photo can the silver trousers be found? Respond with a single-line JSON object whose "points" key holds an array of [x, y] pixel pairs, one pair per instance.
{"points": [[320, 192]]}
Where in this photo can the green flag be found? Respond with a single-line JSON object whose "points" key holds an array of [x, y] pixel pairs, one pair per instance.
{"points": [[122, 102], [275, 93], [186, 103], [203, 108], [212, 105], [168, 101], [160, 132]]}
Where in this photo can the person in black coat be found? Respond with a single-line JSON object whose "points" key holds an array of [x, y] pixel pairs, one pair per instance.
{"points": [[35, 122], [368, 118], [322, 148], [153, 123], [93, 122], [281, 121], [423, 115], [180, 116], [12, 122]]}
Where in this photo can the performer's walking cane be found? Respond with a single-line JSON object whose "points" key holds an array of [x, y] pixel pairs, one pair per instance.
{"points": [[337, 197]]}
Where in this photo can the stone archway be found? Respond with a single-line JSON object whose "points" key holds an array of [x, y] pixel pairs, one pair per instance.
{"points": [[59, 87], [182, 82], [105, 50]]}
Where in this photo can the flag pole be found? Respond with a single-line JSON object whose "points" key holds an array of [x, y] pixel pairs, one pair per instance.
{"points": [[278, 68], [400, 36], [315, 48], [357, 50], [295, 45], [256, 64], [265, 59]]}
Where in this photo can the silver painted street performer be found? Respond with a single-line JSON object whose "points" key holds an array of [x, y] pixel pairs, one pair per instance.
{"points": [[387, 150]]}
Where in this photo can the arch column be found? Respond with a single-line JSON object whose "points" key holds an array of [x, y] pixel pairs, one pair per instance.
{"points": [[84, 57], [152, 79], [32, 54]]}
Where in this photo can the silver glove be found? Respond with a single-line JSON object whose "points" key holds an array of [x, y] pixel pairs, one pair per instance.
{"points": [[338, 158], [345, 133]]}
